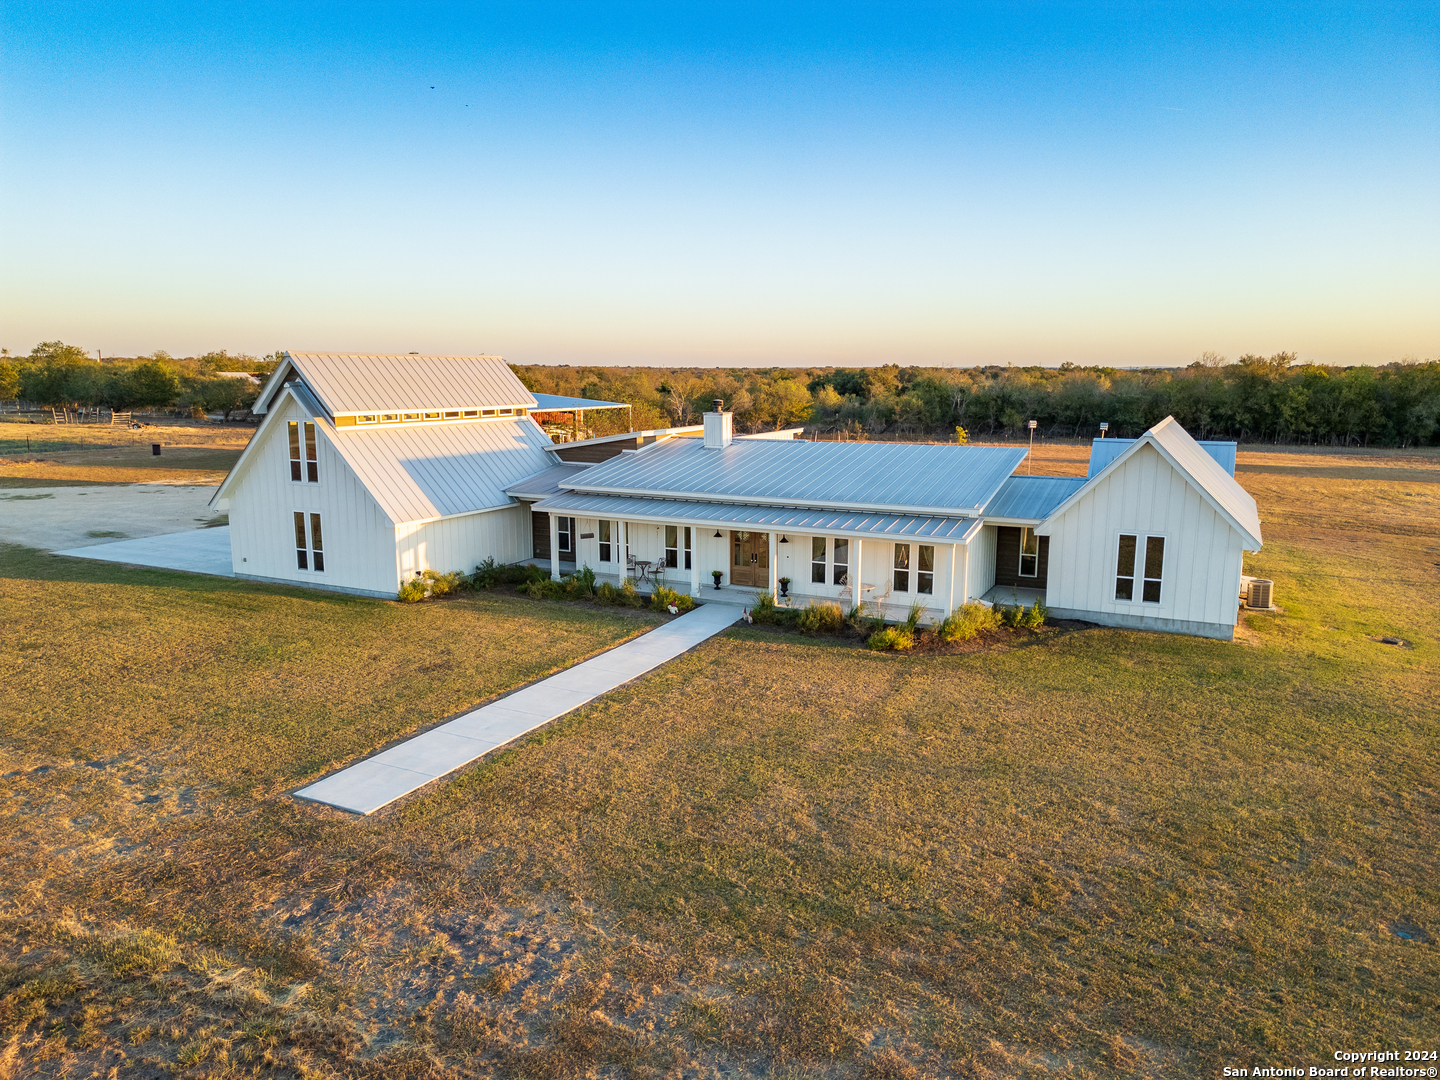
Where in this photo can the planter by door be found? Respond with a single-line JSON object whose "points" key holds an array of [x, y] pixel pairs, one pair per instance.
{"points": [[750, 559]]}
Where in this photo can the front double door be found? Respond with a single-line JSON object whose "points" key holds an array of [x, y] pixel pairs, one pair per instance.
{"points": [[750, 559]]}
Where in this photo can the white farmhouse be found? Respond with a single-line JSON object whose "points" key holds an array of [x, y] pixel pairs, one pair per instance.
{"points": [[369, 469]]}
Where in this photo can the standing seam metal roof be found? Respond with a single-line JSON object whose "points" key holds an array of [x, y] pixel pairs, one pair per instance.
{"points": [[420, 473], [950, 530], [901, 477], [1032, 497], [363, 383]]}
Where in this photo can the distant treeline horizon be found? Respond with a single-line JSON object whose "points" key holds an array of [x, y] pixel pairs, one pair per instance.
{"points": [[1252, 399]]}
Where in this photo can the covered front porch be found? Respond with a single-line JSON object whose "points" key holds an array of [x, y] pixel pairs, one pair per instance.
{"points": [[883, 563]]}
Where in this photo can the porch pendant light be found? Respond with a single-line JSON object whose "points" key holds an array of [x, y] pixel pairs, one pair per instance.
{"points": [[719, 535], [783, 540]]}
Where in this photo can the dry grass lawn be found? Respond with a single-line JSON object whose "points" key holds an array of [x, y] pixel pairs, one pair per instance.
{"points": [[34, 455], [1085, 853]]}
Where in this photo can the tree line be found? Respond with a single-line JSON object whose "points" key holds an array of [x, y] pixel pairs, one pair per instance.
{"points": [[1253, 399], [57, 375]]}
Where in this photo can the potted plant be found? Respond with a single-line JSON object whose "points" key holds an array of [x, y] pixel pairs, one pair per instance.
{"points": [[784, 586], [716, 575]]}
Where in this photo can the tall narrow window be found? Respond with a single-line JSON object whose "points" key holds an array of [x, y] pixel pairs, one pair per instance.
{"points": [[689, 555], [1125, 568], [317, 547], [1029, 553], [295, 473], [312, 462], [902, 567], [565, 526], [1154, 563], [604, 531], [817, 560], [672, 546], [840, 564], [302, 554], [311, 555], [925, 572]]}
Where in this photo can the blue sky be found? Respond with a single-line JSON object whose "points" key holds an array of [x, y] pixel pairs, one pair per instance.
{"points": [[766, 184]]}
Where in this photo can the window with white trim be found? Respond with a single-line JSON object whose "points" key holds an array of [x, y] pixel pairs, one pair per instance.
{"points": [[565, 526], [925, 572], [604, 532], [840, 563], [1029, 553], [817, 560], [1151, 574], [689, 549], [309, 551], [311, 470], [902, 567], [672, 546]]}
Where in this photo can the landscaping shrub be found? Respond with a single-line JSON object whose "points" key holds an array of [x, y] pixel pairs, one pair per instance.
{"points": [[662, 599], [543, 589], [489, 574], [912, 619], [821, 619], [1034, 617], [965, 622], [432, 584], [582, 583], [891, 637], [625, 595], [765, 612]]}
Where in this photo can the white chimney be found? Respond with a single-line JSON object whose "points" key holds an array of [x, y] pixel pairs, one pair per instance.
{"points": [[719, 427]]}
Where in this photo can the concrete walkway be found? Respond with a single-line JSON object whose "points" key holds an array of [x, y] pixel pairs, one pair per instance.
{"points": [[200, 551], [377, 781]]}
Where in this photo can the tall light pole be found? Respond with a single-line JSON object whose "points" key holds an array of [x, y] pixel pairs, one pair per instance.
{"points": [[1104, 428], [1030, 458]]}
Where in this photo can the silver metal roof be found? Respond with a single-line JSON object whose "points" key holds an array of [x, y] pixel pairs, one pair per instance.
{"points": [[949, 530], [560, 403], [1220, 489], [1031, 498], [424, 471], [546, 483], [907, 478], [366, 383], [1104, 451]]}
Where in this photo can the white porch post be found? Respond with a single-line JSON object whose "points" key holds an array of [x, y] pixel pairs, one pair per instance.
{"points": [[774, 569], [694, 558], [855, 579], [554, 548], [953, 560]]}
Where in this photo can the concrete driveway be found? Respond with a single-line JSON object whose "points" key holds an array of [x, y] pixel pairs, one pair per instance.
{"points": [[56, 518]]}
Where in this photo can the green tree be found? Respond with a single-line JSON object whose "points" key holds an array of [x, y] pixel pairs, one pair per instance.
{"points": [[151, 383], [9, 381]]}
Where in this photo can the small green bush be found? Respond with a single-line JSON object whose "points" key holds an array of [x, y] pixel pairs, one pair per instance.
{"points": [[543, 589], [821, 619], [912, 619], [662, 599], [490, 574], [625, 595], [1034, 617], [582, 583], [891, 637], [432, 584], [965, 622], [765, 613]]}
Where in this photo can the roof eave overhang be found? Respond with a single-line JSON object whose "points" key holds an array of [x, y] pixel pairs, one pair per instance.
{"points": [[818, 505], [1251, 542]]}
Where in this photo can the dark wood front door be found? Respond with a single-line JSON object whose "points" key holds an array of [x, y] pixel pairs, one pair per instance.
{"points": [[750, 559]]}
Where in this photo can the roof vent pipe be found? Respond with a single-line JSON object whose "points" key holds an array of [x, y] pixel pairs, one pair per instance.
{"points": [[719, 427]]}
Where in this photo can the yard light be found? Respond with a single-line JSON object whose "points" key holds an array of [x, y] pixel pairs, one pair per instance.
{"points": [[1030, 457], [1104, 428]]}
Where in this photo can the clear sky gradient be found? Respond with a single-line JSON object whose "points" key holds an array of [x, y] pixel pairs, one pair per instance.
{"points": [[708, 184]]}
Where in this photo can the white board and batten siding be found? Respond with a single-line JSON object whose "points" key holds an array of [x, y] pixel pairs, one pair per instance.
{"points": [[359, 540], [981, 554], [1146, 496], [462, 542]]}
